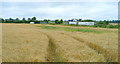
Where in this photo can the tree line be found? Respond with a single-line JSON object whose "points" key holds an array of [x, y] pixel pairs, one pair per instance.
{"points": [[57, 21], [33, 19]]}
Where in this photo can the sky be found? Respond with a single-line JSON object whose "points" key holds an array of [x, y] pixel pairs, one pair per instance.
{"points": [[59, 0], [103, 10]]}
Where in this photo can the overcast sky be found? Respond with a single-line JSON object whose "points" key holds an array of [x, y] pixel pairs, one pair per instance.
{"points": [[60, 10]]}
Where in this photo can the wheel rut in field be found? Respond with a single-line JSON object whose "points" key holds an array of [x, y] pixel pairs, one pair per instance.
{"points": [[109, 56], [100, 50], [52, 54]]}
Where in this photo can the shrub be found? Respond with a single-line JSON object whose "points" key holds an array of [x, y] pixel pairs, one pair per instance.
{"points": [[52, 23]]}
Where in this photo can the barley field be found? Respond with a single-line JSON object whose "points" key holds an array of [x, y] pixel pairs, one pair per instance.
{"points": [[50, 43], [0, 43]]}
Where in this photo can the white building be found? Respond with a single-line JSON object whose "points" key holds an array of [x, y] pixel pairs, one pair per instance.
{"points": [[82, 23], [86, 23], [32, 22]]}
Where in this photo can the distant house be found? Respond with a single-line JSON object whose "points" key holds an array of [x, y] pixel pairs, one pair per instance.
{"points": [[79, 22], [32, 22], [71, 22], [75, 20], [86, 23]]}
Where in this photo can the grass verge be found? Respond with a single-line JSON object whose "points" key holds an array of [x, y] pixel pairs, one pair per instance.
{"points": [[95, 26], [70, 29]]}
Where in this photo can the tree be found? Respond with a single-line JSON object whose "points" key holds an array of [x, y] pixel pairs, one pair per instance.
{"points": [[1, 20], [61, 21], [37, 21], [48, 20], [45, 20], [10, 20], [57, 21], [87, 21], [24, 20], [29, 20], [34, 19], [17, 20]]}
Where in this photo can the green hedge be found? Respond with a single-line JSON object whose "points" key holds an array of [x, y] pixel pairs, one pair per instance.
{"points": [[107, 26]]}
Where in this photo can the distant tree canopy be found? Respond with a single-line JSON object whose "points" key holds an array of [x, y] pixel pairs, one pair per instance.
{"points": [[88, 21], [24, 20], [57, 21], [1, 20], [28, 20], [46, 20], [33, 19], [103, 22]]}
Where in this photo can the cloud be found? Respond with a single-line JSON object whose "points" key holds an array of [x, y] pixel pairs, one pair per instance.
{"points": [[49, 10], [61, 10]]}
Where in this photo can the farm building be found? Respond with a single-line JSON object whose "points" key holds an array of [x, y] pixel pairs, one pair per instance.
{"points": [[79, 22], [82, 23], [86, 23], [72, 21], [75, 20], [32, 22]]}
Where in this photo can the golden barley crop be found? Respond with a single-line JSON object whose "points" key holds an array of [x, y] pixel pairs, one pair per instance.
{"points": [[28, 43], [22, 43]]}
